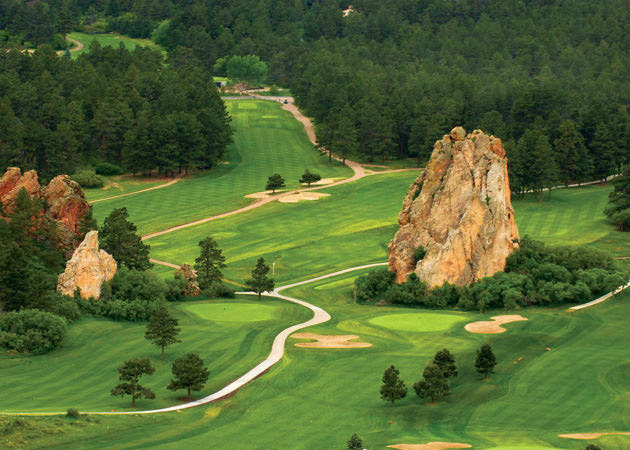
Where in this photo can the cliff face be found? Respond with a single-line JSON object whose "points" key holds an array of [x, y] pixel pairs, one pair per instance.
{"points": [[87, 270], [66, 204], [460, 211]]}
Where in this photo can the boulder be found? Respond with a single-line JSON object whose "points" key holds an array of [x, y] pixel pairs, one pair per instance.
{"points": [[459, 210], [87, 270], [67, 203], [187, 274], [11, 184]]}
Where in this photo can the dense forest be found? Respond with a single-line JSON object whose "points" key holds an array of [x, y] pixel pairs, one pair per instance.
{"points": [[550, 77]]}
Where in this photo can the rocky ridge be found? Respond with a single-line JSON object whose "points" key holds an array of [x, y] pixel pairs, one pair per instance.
{"points": [[87, 270], [459, 210]]}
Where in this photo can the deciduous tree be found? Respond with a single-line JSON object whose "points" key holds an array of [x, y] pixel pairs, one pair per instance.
{"points": [[309, 177], [274, 182]]}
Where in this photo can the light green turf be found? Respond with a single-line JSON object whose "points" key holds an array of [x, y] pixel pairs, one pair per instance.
{"points": [[417, 322], [122, 184], [261, 147], [111, 40], [230, 312], [82, 371]]}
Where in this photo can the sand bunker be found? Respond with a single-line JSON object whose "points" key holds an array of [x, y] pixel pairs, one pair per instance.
{"points": [[294, 198], [430, 446], [329, 341], [592, 435], [323, 181], [493, 326], [263, 194]]}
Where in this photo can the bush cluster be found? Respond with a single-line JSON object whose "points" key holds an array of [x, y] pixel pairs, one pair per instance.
{"points": [[534, 275], [88, 178], [31, 330]]}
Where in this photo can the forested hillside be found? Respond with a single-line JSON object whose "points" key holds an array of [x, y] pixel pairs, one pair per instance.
{"points": [[125, 108], [549, 77]]}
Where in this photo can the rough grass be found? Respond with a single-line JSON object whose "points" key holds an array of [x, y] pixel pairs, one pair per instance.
{"points": [[122, 184], [262, 146], [81, 373]]}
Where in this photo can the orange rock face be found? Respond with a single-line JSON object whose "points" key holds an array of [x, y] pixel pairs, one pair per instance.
{"points": [[460, 211], [88, 269], [12, 182], [66, 200]]}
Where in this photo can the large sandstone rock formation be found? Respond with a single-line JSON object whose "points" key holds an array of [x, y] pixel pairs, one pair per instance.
{"points": [[88, 268], [66, 203], [460, 211]]}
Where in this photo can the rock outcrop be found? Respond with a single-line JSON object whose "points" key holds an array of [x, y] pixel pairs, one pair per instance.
{"points": [[459, 210], [187, 274], [87, 270], [65, 202]]}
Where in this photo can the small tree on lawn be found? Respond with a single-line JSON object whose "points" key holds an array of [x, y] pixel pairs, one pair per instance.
{"points": [[209, 263], [433, 384], [393, 387], [274, 182], [259, 282], [309, 177], [355, 443], [162, 329], [130, 372], [189, 373], [592, 447], [446, 362], [485, 360]]}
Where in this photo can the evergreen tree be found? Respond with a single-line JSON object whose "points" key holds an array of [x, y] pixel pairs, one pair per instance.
{"points": [[274, 182], [433, 384], [209, 263], [189, 374], [344, 140], [259, 282], [602, 150], [393, 387], [571, 155], [162, 329], [618, 209], [130, 372], [309, 177], [118, 237], [446, 362], [485, 361], [355, 443]]}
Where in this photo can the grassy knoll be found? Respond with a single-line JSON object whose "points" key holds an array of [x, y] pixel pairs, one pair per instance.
{"points": [[267, 140], [349, 228], [81, 373], [578, 386], [110, 40]]}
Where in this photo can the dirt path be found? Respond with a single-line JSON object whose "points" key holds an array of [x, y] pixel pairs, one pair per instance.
{"points": [[170, 183], [79, 46]]}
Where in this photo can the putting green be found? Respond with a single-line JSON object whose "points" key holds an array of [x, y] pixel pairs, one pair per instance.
{"points": [[232, 312], [417, 321]]}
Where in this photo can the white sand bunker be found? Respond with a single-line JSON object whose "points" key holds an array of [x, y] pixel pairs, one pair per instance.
{"points": [[430, 446], [329, 341], [323, 182], [592, 435], [299, 196], [493, 326]]}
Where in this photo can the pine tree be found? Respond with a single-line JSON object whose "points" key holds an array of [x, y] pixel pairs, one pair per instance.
{"points": [[259, 282], [309, 177], [274, 182], [570, 152], [162, 329], [485, 360], [433, 384], [131, 371], [393, 387], [355, 443], [344, 140], [189, 374], [446, 362], [209, 263], [118, 237]]}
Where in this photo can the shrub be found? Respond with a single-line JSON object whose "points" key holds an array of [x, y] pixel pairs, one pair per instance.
{"points": [[621, 220], [73, 413], [106, 168], [31, 330], [420, 253], [371, 287], [219, 289], [87, 178], [129, 285]]}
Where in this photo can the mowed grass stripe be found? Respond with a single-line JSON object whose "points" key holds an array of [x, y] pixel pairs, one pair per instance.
{"points": [[261, 147]]}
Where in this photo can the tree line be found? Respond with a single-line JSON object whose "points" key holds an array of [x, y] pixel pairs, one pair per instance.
{"points": [[109, 105]]}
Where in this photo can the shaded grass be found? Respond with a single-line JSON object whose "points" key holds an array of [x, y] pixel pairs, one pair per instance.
{"points": [[82, 371], [262, 146]]}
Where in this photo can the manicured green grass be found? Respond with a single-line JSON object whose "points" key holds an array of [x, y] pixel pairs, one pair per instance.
{"points": [[122, 184], [111, 40], [267, 140], [418, 322], [349, 228], [82, 371]]}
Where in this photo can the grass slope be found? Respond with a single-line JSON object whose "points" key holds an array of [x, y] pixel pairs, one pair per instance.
{"points": [[122, 184], [267, 140], [230, 337], [110, 40]]}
